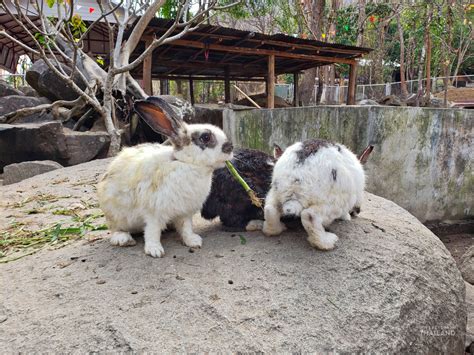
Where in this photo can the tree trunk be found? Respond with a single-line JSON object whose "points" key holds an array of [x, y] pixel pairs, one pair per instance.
{"points": [[316, 9], [360, 23], [428, 56], [403, 83], [420, 76]]}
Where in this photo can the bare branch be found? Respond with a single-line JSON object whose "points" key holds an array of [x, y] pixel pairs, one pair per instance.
{"points": [[12, 116]]}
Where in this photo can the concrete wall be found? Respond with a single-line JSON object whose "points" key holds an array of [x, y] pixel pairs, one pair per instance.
{"points": [[423, 157]]}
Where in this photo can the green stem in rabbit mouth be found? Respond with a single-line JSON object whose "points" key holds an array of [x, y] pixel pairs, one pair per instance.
{"points": [[252, 195]]}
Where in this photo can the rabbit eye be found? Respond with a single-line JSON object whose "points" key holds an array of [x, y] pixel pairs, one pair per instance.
{"points": [[205, 137]]}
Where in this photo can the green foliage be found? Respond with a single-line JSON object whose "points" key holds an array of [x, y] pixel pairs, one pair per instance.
{"points": [[77, 26]]}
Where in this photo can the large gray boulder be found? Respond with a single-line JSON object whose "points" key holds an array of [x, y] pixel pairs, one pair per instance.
{"points": [[14, 173], [50, 141], [6, 89], [15, 102], [390, 286], [49, 85], [466, 265], [85, 146], [32, 141]]}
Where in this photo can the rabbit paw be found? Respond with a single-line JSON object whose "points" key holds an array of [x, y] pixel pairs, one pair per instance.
{"points": [[270, 229], [346, 217], [193, 241], [122, 239], [326, 241], [154, 249], [254, 225]]}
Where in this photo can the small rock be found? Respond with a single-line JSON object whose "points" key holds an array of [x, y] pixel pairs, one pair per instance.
{"points": [[230, 282], [100, 282], [180, 278], [14, 173], [134, 292]]}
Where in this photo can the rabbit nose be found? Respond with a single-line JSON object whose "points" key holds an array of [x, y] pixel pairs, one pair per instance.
{"points": [[227, 147]]}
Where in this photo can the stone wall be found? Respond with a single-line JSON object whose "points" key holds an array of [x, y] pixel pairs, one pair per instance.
{"points": [[423, 157]]}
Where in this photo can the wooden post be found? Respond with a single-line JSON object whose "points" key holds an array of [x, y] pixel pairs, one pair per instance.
{"points": [[191, 91], [147, 66], [296, 96], [227, 86], [351, 92], [271, 82], [164, 87]]}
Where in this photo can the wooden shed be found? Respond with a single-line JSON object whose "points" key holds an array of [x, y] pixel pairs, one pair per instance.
{"points": [[220, 53]]}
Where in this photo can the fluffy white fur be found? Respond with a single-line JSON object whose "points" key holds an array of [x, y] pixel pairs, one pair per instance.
{"points": [[151, 185], [310, 190]]}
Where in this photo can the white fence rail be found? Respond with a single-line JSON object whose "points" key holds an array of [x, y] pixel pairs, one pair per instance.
{"points": [[337, 94]]}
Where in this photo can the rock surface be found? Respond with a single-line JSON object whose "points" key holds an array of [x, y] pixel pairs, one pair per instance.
{"points": [[50, 141], [466, 265], [85, 146], [15, 102], [391, 100], [470, 317], [390, 286], [28, 91], [368, 102], [32, 141], [49, 85], [6, 89], [14, 173]]}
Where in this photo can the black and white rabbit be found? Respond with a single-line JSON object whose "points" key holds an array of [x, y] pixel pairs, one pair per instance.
{"points": [[318, 181]]}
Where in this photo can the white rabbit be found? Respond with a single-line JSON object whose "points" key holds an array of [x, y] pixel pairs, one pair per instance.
{"points": [[319, 181], [151, 185]]}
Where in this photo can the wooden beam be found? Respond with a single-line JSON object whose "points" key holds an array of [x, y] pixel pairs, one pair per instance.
{"points": [[207, 78], [271, 82], [258, 51], [147, 65], [296, 95], [227, 86], [323, 47], [191, 91], [351, 92]]}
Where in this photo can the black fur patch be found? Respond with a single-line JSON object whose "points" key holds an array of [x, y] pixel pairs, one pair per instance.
{"points": [[355, 211], [310, 147], [228, 199], [200, 139], [334, 174], [227, 147]]}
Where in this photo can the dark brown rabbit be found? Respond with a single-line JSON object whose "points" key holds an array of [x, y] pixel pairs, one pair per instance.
{"points": [[228, 199]]}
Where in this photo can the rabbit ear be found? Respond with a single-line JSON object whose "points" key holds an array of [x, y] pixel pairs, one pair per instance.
{"points": [[277, 151], [159, 115], [365, 154]]}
